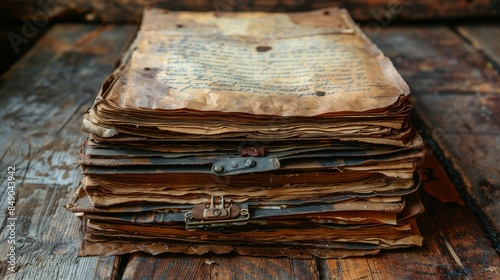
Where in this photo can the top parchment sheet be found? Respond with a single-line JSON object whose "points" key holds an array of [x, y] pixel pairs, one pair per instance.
{"points": [[297, 64]]}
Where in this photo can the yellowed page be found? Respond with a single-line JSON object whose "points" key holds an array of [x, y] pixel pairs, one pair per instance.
{"points": [[301, 64]]}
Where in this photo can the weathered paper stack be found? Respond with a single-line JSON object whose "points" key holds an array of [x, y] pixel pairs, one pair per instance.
{"points": [[264, 134]]}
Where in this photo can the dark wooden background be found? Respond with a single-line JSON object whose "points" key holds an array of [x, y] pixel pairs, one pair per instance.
{"points": [[361, 10]]}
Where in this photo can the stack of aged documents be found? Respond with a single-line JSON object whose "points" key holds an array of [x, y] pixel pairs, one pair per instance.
{"points": [[259, 133]]}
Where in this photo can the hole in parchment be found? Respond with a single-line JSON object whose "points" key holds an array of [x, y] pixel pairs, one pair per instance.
{"points": [[263, 48], [179, 26], [326, 13]]}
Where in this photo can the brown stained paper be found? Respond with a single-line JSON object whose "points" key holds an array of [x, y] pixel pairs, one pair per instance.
{"points": [[334, 175], [258, 63]]}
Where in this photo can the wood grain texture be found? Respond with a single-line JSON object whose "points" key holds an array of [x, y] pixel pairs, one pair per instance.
{"points": [[434, 60], [43, 98], [380, 11], [210, 266], [457, 95], [455, 246], [485, 38]]}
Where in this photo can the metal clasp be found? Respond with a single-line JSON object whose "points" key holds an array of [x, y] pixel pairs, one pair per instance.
{"points": [[217, 211], [215, 215], [233, 166]]}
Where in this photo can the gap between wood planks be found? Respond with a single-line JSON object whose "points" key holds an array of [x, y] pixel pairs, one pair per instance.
{"points": [[121, 263], [456, 178], [478, 42]]}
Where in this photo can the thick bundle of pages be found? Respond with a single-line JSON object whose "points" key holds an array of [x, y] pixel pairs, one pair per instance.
{"points": [[263, 134]]}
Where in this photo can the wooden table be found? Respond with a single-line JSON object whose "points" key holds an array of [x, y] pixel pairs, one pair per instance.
{"points": [[453, 74]]}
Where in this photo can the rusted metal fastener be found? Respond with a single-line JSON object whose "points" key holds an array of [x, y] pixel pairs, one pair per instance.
{"points": [[218, 168], [249, 162]]}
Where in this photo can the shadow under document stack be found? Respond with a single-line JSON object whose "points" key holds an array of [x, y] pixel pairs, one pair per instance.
{"points": [[263, 134]]}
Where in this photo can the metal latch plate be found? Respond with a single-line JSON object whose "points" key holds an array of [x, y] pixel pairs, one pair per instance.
{"points": [[215, 215], [241, 165]]}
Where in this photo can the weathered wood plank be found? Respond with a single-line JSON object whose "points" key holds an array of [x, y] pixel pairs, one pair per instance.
{"points": [[43, 98], [245, 267], [210, 266], [455, 246], [485, 38], [457, 97], [433, 59], [380, 11], [142, 266]]}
